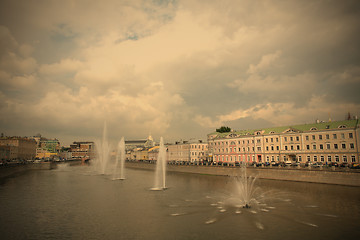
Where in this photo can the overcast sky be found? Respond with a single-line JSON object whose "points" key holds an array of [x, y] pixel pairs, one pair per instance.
{"points": [[177, 69]]}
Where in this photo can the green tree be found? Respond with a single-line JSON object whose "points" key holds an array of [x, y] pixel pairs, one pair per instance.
{"points": [[223, 129]]}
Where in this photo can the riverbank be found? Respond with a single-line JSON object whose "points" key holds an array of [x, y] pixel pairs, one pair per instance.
{"points": [[296, 175], [12, 169]]}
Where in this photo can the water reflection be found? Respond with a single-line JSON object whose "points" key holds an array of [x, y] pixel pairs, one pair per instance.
{"points": [[73, 203]]}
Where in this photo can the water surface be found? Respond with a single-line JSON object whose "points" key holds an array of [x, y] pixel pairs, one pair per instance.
{"points": [[74, 203]]}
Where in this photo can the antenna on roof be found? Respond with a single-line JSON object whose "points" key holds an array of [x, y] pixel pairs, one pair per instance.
{"points": [[329, 117]]}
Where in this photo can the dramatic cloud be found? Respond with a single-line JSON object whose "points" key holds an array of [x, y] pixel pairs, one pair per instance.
{"points": [[177, 69]]}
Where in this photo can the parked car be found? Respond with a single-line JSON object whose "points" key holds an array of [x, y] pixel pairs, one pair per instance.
{"points": [[355, 166], [335, 164], [342, 165], [317, 165], [288, 163], [295, 164], [273, 163]]}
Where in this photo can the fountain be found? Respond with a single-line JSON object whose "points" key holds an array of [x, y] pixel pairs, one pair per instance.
{"points": [[160, 172], [103, 153], [120, 157]]}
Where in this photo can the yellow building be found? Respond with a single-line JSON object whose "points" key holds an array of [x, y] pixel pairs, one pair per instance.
{"points": [[319, 142]]}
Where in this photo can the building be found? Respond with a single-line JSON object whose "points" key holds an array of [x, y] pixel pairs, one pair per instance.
{"points": [[82, 150], [130, 145], [153, 153], [319, 142], [46, 148], [17, 149], [198, 152], [179, 152]]}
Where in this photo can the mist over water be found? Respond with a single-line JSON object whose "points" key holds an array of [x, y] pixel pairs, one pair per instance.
{"points": [[70, 203]]}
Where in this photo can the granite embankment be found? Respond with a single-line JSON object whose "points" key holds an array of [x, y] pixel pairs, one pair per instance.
{"points": [[12, 169], [347, 178], [9, 170]]}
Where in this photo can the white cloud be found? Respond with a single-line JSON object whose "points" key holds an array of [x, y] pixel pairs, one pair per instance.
{"points": [[265, 62], [171, 67]]}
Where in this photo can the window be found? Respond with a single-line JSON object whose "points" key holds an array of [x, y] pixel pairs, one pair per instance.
{"points": [[307, 138], [314, 147], [353, 159], [277, 148], [284, 158], [342, 126], [277, 158], [343, 146], [344, 158], [320, 137], [272, 158], [297, 147], [351, 145], [292, 147], [291, 139], [342, 135], [350, 135], [277, 139], [308, 147], [315, 158], [267, 158], [267, 148], [297, 138], [272, 148], [313, 129], [259, 149], [328, 146], [266, 140], [334, 136], [286, 148], [322, 158], [271, 140], [327, 136], [299, 158], [285, 139], [335, 146], [337, 158], [321, 146], [313, 137], [308, 158], [329, 158]]}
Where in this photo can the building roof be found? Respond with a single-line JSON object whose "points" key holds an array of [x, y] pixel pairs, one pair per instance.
{"points": [[321, 126]]}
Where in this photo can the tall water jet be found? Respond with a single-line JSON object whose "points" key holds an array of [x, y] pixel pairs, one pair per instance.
{"points": [[103, 153], [160, 172], [246, 194], [120, 157]]}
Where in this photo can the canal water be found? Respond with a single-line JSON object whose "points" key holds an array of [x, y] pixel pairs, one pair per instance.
{"points": [[75, 203]]}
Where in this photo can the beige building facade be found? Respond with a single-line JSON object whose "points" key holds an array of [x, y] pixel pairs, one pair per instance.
{"points": [[320, 142], [179, 152], [18, 148]]}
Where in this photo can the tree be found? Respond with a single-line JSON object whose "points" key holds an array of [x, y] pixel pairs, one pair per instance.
{"points": [[223, 129]]}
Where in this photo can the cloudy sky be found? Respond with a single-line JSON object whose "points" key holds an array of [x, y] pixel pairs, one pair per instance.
{"points": [[177, 69]]}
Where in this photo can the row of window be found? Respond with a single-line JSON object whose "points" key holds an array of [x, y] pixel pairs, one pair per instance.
{"points": [[198, 147], [287, 148], [327, 136], [291, 139], [314, 158], [328, 146]]}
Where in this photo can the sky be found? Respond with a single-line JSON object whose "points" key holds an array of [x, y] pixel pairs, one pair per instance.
{"points": [[174, 69]]}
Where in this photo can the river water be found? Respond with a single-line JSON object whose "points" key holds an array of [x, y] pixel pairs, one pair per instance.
{"points": [[74, 203]]}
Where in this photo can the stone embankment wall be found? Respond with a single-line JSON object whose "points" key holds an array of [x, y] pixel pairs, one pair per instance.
{"points": [[299, 175], [8, 170]]}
